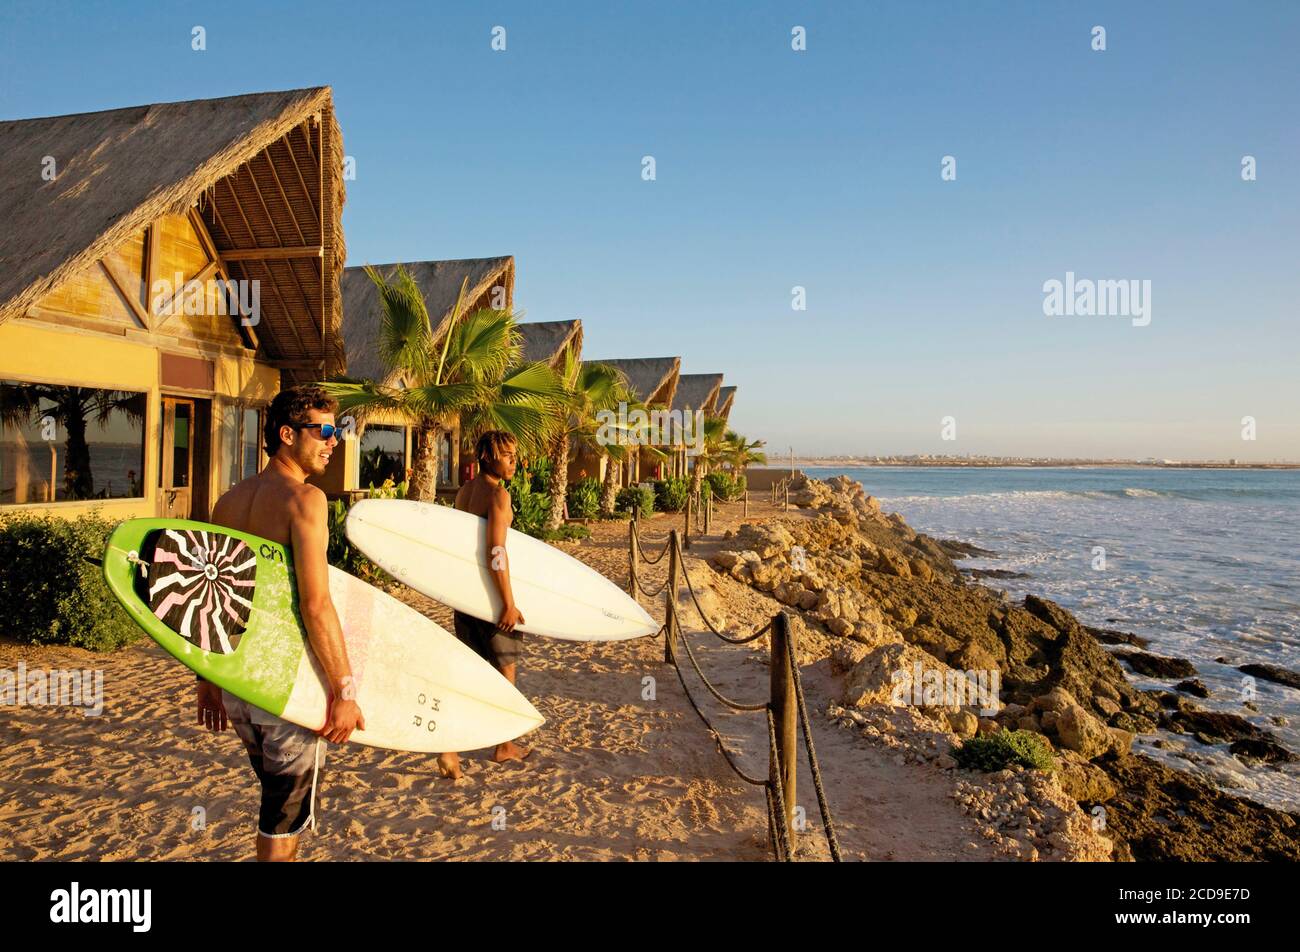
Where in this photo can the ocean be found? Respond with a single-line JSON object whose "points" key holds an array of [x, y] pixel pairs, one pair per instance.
{"points": [[1204, 563]]}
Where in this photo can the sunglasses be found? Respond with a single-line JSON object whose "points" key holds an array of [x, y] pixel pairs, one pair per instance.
{"points": [[327, 430]]}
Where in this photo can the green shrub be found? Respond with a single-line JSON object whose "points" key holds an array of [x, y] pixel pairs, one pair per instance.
{"points": [[725, 486], [742, 484], [387, 490], [990, 752], [670, 494], [529, 501], [540, 471], [640, 498], [584, 499], [706, 491], [50, 593], [566, 533], [618, 515], [342, 554]]}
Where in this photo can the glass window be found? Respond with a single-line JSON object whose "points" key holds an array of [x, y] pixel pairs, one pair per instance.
{"points": [[241, 444], [382, 456], [60, 443], [252, 442]]}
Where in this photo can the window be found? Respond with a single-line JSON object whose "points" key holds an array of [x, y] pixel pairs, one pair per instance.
{"points": [[241, 444], [60, 443], [382, 456]]}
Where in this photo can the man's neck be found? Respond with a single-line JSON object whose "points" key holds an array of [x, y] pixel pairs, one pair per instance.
{"points": [[492, 479], [288, 469]]}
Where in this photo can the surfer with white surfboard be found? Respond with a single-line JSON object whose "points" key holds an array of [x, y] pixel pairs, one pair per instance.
{"points": [[279, 505], [497, 641]]}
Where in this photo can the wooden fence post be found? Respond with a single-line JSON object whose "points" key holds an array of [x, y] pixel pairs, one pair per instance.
{"points": [[670, 603], [785, 714], [631, 557], [686, 523]]}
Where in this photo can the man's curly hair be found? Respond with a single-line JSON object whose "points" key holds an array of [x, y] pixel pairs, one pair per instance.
{"points": [[491, 445], [290, 408]]}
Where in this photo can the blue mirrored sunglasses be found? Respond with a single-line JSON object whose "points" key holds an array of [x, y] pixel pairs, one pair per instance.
{"points": [[327, 430]]}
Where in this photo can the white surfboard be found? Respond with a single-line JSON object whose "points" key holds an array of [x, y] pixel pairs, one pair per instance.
{"points": [[443, 553], [224, 603]]}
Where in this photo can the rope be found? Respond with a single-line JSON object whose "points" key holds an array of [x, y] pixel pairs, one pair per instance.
{"points": [[735, 705], [641, 551], [831, 840], [704, 618], [756, 781], [777, 791]]}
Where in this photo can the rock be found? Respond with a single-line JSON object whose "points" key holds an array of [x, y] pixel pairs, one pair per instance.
{"points": [[1194, 686], [807, 600], [841, 627], [1216, 726], [710, 604], [921, 569], [1109, 636], [1056, 700], [885, 674], [812, 581], [1272, 672], [846, 654], [891, 563], [987, 726], [726, 560], [1122, 740], [789, 593], [963, 723], [1156, 666], [1107, 707], [1084, 782], [1265, 751], [1080, 731]]}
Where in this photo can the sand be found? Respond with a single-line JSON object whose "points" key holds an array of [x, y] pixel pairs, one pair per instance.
{"points": [[619, 772]]}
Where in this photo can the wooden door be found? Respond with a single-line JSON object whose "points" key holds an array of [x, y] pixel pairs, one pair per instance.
{"points": [[176, 458]]}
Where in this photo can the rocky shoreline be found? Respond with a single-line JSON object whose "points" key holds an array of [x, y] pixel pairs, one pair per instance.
{"points": [[899, 619]]}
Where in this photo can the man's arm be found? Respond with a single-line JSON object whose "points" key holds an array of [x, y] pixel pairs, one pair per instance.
{"points": [[309, 532], [500, 515]]}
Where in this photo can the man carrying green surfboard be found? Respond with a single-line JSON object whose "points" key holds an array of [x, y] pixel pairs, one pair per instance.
{"points": [[497, 642], [279, 505]]}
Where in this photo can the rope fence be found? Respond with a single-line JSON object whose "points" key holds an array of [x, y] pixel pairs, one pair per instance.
{"points": [[785, 710]]}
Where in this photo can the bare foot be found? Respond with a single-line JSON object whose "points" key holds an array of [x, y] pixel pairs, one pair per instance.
{"points": [[449, 765], [510, 751]]}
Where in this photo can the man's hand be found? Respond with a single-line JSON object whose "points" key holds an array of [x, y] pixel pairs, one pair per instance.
{"points": [[212, 712], [344, 717], [510, 616]]}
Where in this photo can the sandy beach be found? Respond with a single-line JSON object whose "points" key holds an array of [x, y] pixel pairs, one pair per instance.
{"points": [[613, 777]]}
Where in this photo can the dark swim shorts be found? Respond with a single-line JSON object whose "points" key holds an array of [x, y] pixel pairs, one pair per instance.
{"points": [[286, 758], [491, 644]]}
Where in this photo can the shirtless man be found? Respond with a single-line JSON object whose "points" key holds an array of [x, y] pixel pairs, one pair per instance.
{"points": [[484, 495], [278, 504]]}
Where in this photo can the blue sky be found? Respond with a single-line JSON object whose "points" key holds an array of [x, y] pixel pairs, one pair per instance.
{"points": [[818, 169]]}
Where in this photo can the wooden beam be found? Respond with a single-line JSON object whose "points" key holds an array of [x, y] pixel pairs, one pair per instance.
{"points": [[274, 254], [275, 288], [121, 280], [209, 245]]}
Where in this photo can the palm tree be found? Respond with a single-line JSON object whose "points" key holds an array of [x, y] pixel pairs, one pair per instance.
{"points": [[472, 372], [742, 453], [591, 388], [72, 408], [711, 449]]}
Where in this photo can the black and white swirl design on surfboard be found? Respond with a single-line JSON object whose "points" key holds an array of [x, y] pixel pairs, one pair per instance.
{"points": [[201, 586]]}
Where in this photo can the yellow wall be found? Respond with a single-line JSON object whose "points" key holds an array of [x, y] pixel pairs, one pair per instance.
{"points": [[44, 353]]}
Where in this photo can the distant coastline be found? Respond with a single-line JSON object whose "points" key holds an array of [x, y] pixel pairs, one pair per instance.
{"points": [[1022, 462]]}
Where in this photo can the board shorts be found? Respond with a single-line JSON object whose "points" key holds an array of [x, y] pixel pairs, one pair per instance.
{"points": [[490, 643], [287, 759]]}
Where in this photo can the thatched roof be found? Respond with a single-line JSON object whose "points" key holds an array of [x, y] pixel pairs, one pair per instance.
{"points": [[653, 379], [722, 406], [545, 340], [254, 164], [440, 281], [697, 392]]}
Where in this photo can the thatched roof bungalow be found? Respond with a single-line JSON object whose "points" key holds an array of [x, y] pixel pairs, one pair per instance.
{"points": [[383, 448], [654, 381], [722, 407], [547, 341], [138, 376]]}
